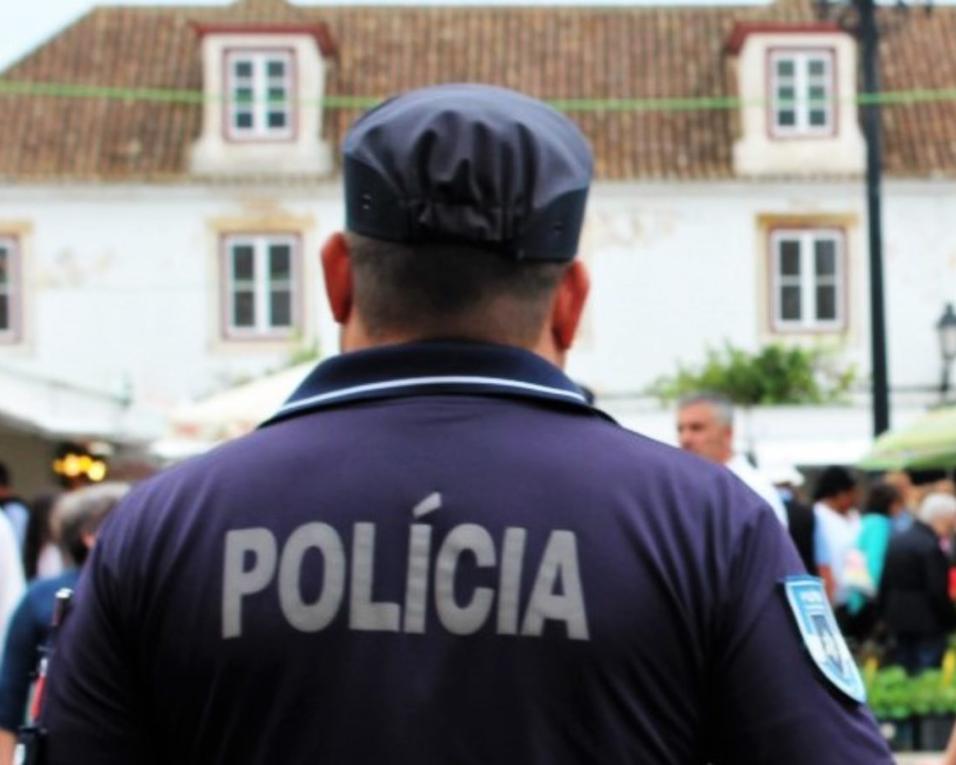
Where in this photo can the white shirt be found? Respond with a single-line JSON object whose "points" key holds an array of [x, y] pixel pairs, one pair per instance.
{"points": [[839, 533], [741, 467], [11, 576]]}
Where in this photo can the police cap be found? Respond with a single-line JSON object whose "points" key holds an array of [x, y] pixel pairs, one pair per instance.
{"points": [[470, 164]]}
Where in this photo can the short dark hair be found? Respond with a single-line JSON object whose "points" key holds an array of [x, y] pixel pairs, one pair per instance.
{"points": [[832, 481], [446, 289], [4, 474], [881, 497]]}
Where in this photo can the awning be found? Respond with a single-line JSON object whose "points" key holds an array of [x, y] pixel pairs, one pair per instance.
{"points": [[60, 410], [926, 444], [198, 426]]}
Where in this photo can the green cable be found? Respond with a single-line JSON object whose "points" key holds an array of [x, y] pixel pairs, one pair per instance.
{"points": [[192, 97]]}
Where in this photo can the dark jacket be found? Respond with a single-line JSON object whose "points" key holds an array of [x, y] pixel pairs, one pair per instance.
{"points": [[914, 591], [801, 523]]}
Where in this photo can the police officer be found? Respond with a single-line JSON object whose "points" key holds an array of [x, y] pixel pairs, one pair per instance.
{"points": [[437, 551]]}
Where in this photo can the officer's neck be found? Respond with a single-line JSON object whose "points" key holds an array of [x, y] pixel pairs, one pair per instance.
{"points": [[354, 337]]}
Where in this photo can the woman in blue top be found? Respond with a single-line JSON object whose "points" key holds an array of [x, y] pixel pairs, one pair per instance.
{"points": [[883, 503]]}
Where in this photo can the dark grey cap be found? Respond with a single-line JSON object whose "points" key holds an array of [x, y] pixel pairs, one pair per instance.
{"points": [[472, 164]]}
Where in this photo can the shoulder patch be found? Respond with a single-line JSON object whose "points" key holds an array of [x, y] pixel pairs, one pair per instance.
{"points": [[820, 634]]}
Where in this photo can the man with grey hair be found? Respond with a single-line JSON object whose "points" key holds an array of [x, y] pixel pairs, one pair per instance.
{"points": [[705, 426], [77, 517], [914, 591]]}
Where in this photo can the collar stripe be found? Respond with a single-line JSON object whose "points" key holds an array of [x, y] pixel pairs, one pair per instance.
{"points": [[496, 382]]}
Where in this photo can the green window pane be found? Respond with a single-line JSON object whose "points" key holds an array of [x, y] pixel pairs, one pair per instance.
{"points": [[824, 256], [818, 118], [786, 94], [277, 119], [785, 68], [280, 308], [243, 119], [243, 262], [4, 266], [817, 94], [276, 68], [4, 312], [816, 67], [243, 95], [789, 257], [243, 309], [280, 262], [277, 95], [826, 303], [243, 69], [786, 118], [790, 303]]}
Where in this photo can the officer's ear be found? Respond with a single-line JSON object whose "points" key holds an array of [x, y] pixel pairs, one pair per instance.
{"points": [[337, 269], [568, 304]]}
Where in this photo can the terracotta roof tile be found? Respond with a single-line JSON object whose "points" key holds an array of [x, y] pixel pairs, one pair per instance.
{"points": [[554, 53]]}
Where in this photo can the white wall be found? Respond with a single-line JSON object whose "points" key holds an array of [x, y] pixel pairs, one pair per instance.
{"points": [[121, 281], [121, 285]]}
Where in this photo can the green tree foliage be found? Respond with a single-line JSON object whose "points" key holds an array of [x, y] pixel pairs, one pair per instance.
{"points": [[776, 374]]}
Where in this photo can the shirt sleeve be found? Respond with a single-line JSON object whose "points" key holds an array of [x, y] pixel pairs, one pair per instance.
{"points": [[769, 703], [91, 711], [19, 663]]}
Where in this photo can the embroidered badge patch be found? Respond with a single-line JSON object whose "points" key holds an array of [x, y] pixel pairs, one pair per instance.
{"points": [[821, 636]]}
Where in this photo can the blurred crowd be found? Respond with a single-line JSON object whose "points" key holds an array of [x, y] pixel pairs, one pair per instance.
{"points": [[884, 546], [43, 543]]}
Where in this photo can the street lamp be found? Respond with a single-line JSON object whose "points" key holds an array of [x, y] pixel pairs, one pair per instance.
{"points": [[946, 330]]}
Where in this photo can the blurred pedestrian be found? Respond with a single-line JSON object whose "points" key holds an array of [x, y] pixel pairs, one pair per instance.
{"points": [[11, 574], [41, 555], [882, 505], [13, 507], [914, 598], [705, 426], [837, 527], [911, 495], [77, 516]]}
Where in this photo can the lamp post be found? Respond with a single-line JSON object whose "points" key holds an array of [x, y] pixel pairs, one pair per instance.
{"points": [[946, 330]]}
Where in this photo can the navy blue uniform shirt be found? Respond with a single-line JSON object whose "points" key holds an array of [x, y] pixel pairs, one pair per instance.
{"points": [[438, 553]]}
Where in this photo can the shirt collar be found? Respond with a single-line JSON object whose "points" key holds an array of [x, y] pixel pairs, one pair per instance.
{"points": [[429, 368]]}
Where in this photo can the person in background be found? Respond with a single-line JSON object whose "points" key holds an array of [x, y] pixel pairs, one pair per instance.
{"points": [[911, 498], [11, 574], [13, 507], [882, 505], [801, 522], [913, 597], [837, 528], [705, 426], [41, 553], [77, 517]]}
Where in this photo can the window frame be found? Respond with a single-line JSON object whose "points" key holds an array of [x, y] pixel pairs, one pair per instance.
{"points": [[802, 129], [808, 283], [259, 132], [12, 334], [262, 328]]}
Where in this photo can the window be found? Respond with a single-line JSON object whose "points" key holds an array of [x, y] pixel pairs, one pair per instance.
{"points": [[808, 276], [260, 90], [260, 278], [9, 290], [802, 93]]}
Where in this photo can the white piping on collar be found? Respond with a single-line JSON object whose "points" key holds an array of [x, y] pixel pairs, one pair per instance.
{"points": [[416, 381]]}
